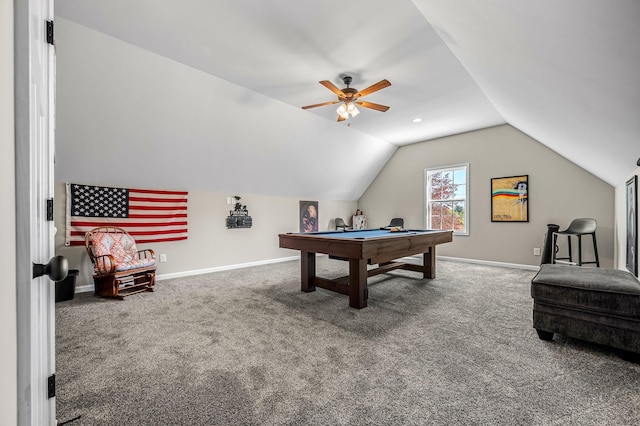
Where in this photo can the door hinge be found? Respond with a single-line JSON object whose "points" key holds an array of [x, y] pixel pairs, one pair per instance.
{"points": [[50, 210], [51, 386], [50, 32]]}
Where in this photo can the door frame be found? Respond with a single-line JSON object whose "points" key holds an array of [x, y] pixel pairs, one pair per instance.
{"points": [[34, 111], [8, 320]]}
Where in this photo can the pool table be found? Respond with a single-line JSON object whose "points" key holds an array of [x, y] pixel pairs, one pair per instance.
{"points": [[360, 248]]}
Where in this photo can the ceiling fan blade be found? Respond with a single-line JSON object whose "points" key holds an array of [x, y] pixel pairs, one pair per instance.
{"points": [[341, 118], [371, 105], [319, 105], [329, 85], [374, 88]]}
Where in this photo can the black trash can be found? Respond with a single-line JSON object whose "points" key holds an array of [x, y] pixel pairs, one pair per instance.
{"points": [[66, 289]]}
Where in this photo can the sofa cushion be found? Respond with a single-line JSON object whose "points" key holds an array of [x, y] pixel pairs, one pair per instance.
{"points": [[598, 290]]}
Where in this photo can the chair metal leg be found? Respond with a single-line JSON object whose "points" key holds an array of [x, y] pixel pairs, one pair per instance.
{"points": [[579, 250], [595, 249]]}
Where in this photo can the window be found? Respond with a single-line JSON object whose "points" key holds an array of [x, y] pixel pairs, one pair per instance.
{"points": [[447, 194]]}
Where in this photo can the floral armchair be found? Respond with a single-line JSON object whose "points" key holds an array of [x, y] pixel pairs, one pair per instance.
{"points": [[119, 268]]}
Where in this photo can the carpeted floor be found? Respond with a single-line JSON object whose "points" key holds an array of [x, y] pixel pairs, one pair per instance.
{"points": [[247, 347]]}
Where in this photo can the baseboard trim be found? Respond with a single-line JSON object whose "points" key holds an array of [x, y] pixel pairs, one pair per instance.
{"points": [[224, 268], [489, 263], [161, 277], [84, 288]]}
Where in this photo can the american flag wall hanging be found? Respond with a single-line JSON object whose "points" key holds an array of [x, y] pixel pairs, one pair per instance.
{"points": [[148, 215]]}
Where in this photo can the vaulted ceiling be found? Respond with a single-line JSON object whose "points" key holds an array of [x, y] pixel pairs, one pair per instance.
{"points": [[563, 72]]}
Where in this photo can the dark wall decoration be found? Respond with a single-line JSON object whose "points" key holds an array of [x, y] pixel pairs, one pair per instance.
{"points": [[308, 216], [632, 225], [239, 217]]}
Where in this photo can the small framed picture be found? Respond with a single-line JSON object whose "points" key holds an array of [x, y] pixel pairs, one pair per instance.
{"points": [[308, 216], [510, 199], [632, 225]]}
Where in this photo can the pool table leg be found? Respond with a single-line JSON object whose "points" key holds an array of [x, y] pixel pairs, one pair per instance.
{"points": [[429, 263], [358, 283], [308, 271]]}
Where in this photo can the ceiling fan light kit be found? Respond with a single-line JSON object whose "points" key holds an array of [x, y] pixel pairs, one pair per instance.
{"points": [[351, 108], [342, 111], [349, 97], [347, 109]]}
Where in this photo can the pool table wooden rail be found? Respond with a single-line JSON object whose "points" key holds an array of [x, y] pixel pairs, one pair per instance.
{"points": [[375, 250]]}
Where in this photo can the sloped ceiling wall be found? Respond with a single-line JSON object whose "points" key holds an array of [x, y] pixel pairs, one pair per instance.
{"points": [[129, 117], [210, 92], [565, 73]]}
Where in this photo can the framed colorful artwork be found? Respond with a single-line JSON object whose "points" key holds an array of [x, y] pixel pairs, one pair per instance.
{"points": [[308, 216], [632, 225], [510, 199]]}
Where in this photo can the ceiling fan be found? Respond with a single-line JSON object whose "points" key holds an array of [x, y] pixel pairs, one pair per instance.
{"points": [[349, 97]]}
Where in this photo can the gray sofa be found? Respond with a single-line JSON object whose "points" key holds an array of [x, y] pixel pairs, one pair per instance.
{"points": [[593, 304]]}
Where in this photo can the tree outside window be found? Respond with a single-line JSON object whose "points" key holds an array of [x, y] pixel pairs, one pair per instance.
{"points": [[446, 195]]}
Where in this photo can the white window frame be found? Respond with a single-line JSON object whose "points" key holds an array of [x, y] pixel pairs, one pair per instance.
{"points": [[427, 194]]}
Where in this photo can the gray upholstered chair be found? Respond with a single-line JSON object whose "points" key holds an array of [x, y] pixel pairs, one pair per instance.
{"points": [[396, 221], [340, 224], [578, 228]]}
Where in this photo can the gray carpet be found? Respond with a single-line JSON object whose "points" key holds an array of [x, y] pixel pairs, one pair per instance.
{"points": [[247, 347]]}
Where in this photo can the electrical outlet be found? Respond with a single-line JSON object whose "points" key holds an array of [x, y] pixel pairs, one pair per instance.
{"points": [[536, 251], [163, 258]]}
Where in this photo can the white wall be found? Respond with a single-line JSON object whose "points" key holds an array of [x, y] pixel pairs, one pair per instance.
{"points": [[621, 221], [8, 326], [559, 191], [210, 244]]}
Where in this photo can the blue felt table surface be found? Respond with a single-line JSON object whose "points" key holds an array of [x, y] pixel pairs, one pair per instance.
{"points": [[364, 233]]}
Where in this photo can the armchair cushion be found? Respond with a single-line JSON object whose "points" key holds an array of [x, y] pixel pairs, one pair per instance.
{"points": [[116, 252]]}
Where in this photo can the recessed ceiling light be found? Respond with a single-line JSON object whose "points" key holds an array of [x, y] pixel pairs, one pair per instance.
{"points": [[417, 120]]}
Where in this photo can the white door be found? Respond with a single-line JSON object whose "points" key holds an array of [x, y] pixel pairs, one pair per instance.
{"points": [[34, 91]]}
